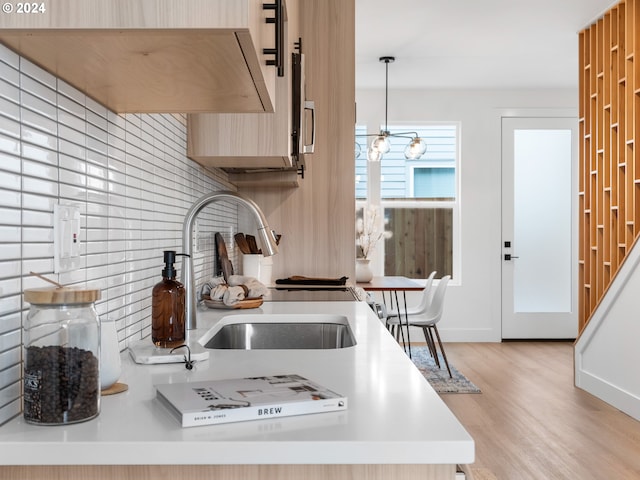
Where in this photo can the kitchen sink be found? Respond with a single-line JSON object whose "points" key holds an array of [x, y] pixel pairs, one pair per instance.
{"points": [[310, 331]]}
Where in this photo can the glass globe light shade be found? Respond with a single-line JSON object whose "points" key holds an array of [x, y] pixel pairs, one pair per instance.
{"points": [[358, 150], [381, 143], [415, 149], [374, 155]]}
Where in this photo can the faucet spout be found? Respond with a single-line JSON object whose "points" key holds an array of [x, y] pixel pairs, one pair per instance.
{"points": [[264, 232]]}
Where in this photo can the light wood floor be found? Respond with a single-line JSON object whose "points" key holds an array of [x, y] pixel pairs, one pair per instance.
{"points": [[530, 422]]}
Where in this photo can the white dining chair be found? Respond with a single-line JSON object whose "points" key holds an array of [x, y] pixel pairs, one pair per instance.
{"points": [[429, 319], [395, 320]]}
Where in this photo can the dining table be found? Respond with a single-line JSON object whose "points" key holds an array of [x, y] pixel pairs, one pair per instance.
{"points": [[393, 285]]}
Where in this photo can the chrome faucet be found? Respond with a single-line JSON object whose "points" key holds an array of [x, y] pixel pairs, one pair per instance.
{"points": [[267, 236]]}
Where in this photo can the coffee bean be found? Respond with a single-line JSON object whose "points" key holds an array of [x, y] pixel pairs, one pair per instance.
{"points": [[61, 385]]}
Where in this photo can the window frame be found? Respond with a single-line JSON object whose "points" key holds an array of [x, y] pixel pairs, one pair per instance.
{"points": [[374, 192]]}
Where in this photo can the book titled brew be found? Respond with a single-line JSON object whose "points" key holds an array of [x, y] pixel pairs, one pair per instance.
{"points": [[240, 399]]}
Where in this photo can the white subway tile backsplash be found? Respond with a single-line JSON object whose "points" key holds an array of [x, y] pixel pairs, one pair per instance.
{"points": [[9, 85], [9, 305], [33, 88], [10, 375], [9, 73], [10, 216], [38, 102], [9, 127], [10, 234], [38, 129], [94, 155], [10, 163], [37, 265], [10, 198], [9, 144], [40, 154], [97, 120], [37, 73], [94, 183], [73, 192], [95, 107], [72, 157], [9, 109], [9, 286], [115, 150], [9, 250], [9, 180], [37, 234], [10, 339], [96, 196], [9, 411], [71, 121], [37, 250], [8, 269], [72, 178], [8, 394], [129, 175], [47, 170], [36, 185], [70, 92], [69, 105], [35, 218], [38, 202], [10, 357]]}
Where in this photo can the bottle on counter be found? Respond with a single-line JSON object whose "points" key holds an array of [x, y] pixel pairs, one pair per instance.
{"points": [[62, 351], [168, 307]]}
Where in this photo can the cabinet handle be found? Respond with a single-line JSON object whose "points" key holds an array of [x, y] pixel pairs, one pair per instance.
{"points": [[278, 20], [310, 105]]}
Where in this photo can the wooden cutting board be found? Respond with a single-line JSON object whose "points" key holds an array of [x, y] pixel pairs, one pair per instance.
{"points": [[225, 264], [251, 242]]}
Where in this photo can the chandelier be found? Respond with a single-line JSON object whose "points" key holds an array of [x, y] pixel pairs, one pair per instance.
{"points": [[381, 144]]}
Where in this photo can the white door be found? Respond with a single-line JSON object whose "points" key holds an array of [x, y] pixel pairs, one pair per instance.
{"points": [[539, 228]]}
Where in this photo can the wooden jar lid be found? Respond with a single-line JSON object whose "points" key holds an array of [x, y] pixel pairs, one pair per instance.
{"points": [[60, 296]]}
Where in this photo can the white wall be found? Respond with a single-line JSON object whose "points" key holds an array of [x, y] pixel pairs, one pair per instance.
{"points": [[607, 353], [473, 304]]}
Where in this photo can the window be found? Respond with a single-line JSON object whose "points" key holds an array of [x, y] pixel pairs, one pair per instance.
{"points": [[361, 163], [433, 182], [419, 200]]}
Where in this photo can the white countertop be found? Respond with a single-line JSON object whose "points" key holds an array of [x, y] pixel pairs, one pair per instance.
{"points": [[394, 416]]}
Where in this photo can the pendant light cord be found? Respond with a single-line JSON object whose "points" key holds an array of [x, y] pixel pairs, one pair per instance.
{"points": [[387, 61], [386, 95]]}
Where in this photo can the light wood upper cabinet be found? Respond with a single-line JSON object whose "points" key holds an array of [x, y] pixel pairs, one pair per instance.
{"points": [[153, 56], [244, 140], [249, 141]]}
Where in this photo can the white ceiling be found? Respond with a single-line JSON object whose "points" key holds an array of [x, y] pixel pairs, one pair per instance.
{"points": [[472, 43]]}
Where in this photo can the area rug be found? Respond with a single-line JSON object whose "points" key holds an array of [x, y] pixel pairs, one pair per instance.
{"points": [[439, 377]]}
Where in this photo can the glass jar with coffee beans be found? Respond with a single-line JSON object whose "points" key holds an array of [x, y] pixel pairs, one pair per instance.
{"points": [[62, 348]]}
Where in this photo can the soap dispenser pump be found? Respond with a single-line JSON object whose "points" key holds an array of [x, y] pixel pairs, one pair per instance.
{"points": [[168, 307]]}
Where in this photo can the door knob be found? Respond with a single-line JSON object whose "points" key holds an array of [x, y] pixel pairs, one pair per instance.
{"points": [[508, 256]]}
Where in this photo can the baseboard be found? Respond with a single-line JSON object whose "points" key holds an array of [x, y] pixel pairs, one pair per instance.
{"points": [[606, 391], [461, 335]]}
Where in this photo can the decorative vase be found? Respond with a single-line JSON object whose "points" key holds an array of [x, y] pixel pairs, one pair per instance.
{"points": [[363, 270]]}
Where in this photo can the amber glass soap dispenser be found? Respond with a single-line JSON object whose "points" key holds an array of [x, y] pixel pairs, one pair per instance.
{"points": [[167, 307]]}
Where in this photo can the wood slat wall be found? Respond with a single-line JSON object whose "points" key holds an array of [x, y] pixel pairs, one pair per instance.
{"points": [[609, 188]]}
